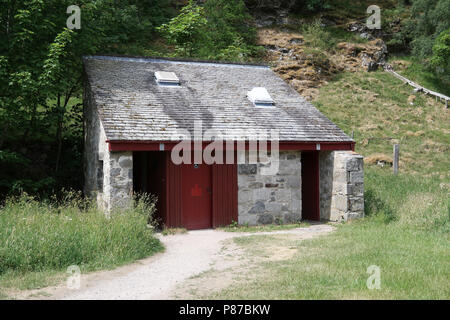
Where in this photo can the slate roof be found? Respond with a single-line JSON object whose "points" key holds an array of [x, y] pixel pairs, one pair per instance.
{"points": [[133, 107]]}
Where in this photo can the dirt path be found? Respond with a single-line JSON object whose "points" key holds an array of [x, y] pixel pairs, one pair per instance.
{"points": [[163, 276]]}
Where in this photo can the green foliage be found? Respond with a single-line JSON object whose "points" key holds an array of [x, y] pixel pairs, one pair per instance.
{"points": [[41, 76], [317, 5], [441, 51], [219, 30], [318, 36], [37, 236], [187, 29], [229, 24], [429, 19]]}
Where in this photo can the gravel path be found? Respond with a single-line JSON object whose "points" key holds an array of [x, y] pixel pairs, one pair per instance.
{"points": [[186, 255]]}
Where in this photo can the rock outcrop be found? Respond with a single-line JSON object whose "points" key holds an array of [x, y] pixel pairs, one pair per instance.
{"points": [[306, 68], [306, 71], [368, 56]]}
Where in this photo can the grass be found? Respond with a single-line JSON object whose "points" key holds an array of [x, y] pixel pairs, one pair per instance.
{"points": [[355, 9], [421, 74], [172, 231], [263, 228], [39, 240], [375, 107], [408, 240]]}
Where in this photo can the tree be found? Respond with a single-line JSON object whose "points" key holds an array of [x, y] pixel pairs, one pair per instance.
{"points": [[187, 30], [441, 51], [429, 19], [41, 76], [221, 29], [228, 20]]}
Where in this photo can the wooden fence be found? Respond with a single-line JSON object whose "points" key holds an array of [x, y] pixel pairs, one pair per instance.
{"points": [[417, 87]]}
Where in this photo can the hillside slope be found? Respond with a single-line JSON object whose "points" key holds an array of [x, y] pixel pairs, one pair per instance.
{"points": [[329, 66]]}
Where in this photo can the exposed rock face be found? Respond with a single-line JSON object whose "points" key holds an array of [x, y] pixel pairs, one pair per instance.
{"points": [[306, 72], [368, 56]]}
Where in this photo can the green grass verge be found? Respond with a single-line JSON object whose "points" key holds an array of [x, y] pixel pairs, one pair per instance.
{"points": [[264, 228], [407, 237], [39, 240]]}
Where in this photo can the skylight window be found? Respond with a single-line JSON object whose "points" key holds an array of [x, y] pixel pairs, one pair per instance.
{"points": [[167, 78], [260, 97]]}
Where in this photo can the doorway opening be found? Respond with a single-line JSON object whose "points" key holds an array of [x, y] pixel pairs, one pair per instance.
{"points": [[149, 177], [310, 186]]}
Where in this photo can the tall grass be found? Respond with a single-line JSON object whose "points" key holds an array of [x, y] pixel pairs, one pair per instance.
{"points": [[39, 236], [408, 200]]}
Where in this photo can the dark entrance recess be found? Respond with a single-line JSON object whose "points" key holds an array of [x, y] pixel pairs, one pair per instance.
{"points": [[310, 186], [149, 176], [190, 196]]}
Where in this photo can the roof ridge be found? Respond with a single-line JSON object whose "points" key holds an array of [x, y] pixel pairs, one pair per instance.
{"points": [[170, 60]]}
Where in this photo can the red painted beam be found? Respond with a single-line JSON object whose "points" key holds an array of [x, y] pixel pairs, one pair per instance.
{"points": [[115, 145]]}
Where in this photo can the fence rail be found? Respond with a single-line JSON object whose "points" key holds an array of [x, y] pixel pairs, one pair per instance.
{"points": [[417, 87]]}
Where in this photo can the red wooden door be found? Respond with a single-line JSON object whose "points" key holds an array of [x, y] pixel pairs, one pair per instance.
{"points": [[310, 186], [225, 194], [196, 196]]}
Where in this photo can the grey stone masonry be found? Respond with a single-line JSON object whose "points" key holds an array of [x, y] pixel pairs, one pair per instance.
{"points": [[341, 185], [265, 199], [118, 186]]}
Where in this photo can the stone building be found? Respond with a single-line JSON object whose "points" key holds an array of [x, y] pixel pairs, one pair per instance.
{"points": [[216, 143]]}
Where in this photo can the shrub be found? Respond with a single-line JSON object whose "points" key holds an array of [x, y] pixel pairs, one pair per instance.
{"points": [[317, 36], [37, 236], [441, 51]]}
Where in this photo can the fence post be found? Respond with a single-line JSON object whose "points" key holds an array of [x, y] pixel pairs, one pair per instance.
{"points": [[396, 158]]}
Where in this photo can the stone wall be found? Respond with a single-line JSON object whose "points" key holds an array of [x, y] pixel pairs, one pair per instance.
{"points": [[108, 175], [91, 144], [341, 185], [118, 180], [264, 199]]}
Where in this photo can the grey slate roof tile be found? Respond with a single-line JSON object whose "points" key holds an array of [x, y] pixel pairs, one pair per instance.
{"points": [[132, 106]]}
